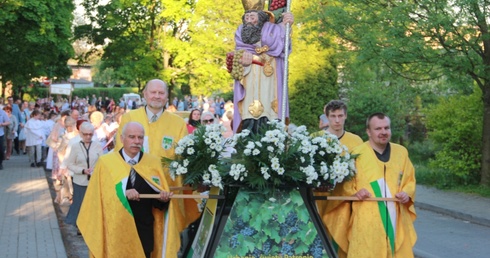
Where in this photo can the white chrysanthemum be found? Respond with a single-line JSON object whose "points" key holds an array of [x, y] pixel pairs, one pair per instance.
{"points": [[247, 152], [275, 161], [270, 148], [185, 162], [174, 164], [207, 141], [275, 166], [255, 152], [219, 148], [212, 146], [310, 174], [264, 170], [280, 171], [181, 170], [267, 176], [250, 145], [190, 151], [302, 159], [179, 150]]}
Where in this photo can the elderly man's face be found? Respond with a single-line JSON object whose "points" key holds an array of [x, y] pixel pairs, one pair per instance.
{"points": [[156, 95], [133, 139]]}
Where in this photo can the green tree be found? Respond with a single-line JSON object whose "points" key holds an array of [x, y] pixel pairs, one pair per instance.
{"points": [[35, 41], [312, 68], [129, 31], [421, 40], [212, 32], [456, 123], [368, 89]]}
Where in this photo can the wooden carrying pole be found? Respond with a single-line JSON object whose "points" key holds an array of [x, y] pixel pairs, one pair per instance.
{"points": [[182, 196], [353, 198]]}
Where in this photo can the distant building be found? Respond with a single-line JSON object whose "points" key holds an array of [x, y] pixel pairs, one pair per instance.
{"points": [[83, 72], [81, 76]]}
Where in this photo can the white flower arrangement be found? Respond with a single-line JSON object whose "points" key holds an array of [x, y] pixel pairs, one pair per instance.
{"points": [[266, 159], [198, 155], [274, 158]]}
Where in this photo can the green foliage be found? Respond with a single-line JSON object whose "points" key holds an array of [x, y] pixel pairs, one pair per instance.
{"points": [[35, 40], [421, 40], [308, 96], [375, 90], [137, 31], [422, 152], [455, 126], [114, 93], [312, 69]]}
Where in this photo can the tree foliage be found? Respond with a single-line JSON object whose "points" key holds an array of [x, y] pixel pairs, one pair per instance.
{"points": [[35, 41], [420, 40], [312, 68], [191, 41], [456, 124]]}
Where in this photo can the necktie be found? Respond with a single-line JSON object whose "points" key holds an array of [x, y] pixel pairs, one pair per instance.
{"points": [[154, 118], [132, 173]]}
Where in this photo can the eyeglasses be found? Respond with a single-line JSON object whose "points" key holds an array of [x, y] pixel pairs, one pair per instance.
{"points": [[87, 134], [208, 121]]}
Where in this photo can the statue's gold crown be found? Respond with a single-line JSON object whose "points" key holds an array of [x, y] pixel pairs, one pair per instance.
{"points": [[253, 4]]}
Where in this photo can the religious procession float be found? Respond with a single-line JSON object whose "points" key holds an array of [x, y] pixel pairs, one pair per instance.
{"points": [[261, 201]]}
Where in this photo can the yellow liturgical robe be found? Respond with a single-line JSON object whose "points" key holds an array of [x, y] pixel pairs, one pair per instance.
{"points": [[382, 229], [106, 219], [160, 140], [336, 214]]}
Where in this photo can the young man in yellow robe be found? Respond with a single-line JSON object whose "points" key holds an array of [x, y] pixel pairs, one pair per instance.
{"points": [[336, 214], [162, 131], [382, 229], [113, 220]]}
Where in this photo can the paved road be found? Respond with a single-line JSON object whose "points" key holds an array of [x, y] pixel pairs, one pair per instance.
{"points": [[442, 236]]}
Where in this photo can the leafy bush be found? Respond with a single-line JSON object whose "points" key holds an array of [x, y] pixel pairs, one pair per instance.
{"points": [[421, 152], [308, 96], [455, 126]]}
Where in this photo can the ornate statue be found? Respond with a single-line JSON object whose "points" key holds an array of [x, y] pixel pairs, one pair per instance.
{"points": [[258, 67]]}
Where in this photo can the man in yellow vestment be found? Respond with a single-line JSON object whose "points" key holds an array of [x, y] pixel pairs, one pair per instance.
{"points": [[162, 131], [382, 229], [113, 220], [336, 214]]}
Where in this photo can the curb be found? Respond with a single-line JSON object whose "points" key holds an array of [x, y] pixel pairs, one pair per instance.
{"points": [[454, 214]]}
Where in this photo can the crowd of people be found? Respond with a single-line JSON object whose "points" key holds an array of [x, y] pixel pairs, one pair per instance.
{"points": [[67, 138]]}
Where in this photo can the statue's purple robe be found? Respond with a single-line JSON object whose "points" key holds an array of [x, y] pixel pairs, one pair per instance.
{"points": [[273, 35]]}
